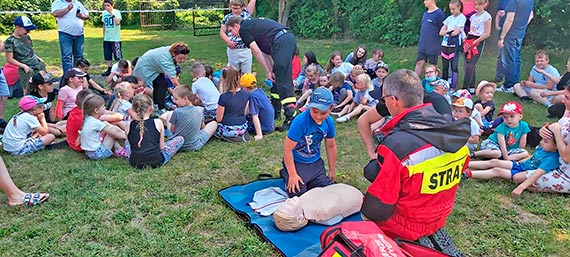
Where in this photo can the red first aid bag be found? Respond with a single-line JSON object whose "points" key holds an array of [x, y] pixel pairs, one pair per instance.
{"points": [[358, 239]]}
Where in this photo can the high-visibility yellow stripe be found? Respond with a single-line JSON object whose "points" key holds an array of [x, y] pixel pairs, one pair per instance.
{"points": [[441, 172], [289, 100]]}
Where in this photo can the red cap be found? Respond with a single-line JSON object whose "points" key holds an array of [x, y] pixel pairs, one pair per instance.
{"points": [[511, 108]]}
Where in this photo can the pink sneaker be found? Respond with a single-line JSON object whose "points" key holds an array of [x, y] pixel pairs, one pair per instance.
{"points": [[121, 153]]}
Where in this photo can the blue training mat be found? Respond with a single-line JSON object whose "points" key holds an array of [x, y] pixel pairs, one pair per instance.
{"points": [[303, 242]]}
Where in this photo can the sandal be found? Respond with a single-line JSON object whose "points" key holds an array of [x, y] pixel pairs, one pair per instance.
{"points": [[121, 153], [33, 199]]}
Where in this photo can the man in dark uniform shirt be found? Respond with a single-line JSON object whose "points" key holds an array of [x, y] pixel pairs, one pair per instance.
{"points": [[273, 45]]}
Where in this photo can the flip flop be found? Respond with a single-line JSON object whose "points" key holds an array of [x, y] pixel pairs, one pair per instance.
{"points": [[33, 199]]}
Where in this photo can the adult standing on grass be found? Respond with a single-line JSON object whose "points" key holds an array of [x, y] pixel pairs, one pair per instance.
{"points": [[239, 55], [111, 35], [429, 44], [14, 194], [158, 66], [19, 51], [70, 15], [418, 167], [518, 15], [273, 45]]}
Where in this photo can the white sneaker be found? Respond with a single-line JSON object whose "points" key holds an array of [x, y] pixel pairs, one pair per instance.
{"points": [[504, 89], [344, 118]]}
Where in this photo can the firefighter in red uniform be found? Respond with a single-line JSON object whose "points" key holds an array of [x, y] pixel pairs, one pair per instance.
{"points": [[418, 168]]}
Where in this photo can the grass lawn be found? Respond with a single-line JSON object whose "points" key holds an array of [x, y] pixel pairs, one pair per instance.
{"points": [[107, 208]]}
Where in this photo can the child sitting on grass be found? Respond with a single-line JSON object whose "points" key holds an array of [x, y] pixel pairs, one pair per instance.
{"points": [[485, 91], [380, 71], [206, 90], [261, 113], [84, 65], [342, 91], [509, 138], [145, 146], [304, 168], [188, 120], [310, 84], [362, 100], [27, 131], [544, 159], [232, 108], [462, 108], [124, 93], [41, 86], [95, 145], [75, 121]]}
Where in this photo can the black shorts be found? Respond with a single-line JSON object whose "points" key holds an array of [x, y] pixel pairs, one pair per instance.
{"points": [[431, 59], [112, 49]]}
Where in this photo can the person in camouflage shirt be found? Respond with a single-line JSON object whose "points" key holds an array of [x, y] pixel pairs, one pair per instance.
{"points": [[20, 52]]}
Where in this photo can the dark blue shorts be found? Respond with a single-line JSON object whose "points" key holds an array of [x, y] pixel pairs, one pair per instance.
{"points": [[313, 175], [112, 49], [516, 169]]}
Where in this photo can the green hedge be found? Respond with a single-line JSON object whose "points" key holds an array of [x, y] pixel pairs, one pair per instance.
{"points": [[397, 22], [389, 21]]}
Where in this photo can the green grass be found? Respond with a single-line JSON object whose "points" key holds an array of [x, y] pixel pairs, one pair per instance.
{"points": [[107, 208]]}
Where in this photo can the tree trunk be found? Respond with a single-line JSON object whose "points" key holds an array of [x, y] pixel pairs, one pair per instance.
{"points": [[284, 10]]}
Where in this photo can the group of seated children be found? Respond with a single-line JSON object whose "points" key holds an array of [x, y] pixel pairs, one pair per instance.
{"points": [[229, 111]]}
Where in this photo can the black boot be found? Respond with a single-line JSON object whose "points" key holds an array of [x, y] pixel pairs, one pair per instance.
{"points": [[289, 115], [107, 72], [277, 108]]}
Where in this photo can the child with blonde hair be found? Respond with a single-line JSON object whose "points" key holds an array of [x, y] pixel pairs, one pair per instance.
{"points": [[124, 93], [27, 131], [95, 145], [311, 82], [453, 34], [232, 108], [145, 145], [362, 100]]}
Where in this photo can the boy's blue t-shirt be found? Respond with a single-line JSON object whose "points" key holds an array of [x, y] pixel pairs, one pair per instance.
{"points": [[512, 135], [309, 136], [547, 161], [336, 91], [259, 105], [542, 79]]}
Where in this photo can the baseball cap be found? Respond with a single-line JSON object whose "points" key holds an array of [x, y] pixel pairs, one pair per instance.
{"points": [[248, 80], [321, 99], [511, 108], [28, 102], [463, 102], [462, 93], [75, 72], [381, 64], [483, 84], [24, 22], [441, 82], [39, 79]]}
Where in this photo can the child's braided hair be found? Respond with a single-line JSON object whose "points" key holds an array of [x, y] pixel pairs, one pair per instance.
{"points": [[141, 104]]}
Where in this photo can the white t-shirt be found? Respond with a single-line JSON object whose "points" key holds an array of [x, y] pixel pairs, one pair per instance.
{"points": [[91, 133], [452, 23], [15, 136], [69, 23], [207, 92], [475, 129], [477, 27]]}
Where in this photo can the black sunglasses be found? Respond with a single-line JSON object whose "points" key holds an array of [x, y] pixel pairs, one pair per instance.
{"points": [[383, 101]]}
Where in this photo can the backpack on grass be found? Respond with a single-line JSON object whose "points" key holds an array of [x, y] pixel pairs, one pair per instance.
{"points": [[366, 239]]}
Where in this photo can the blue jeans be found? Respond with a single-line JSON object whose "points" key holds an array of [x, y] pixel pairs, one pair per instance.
{"points": [[71, 49], [511, 59]]}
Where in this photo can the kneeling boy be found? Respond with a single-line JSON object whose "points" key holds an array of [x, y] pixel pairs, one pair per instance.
{"points": [[304, 168]]}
